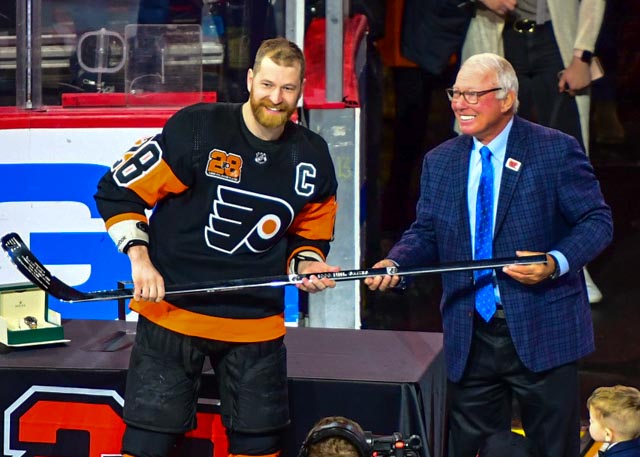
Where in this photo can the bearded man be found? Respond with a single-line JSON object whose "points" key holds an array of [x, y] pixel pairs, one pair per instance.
{"points": [[237, 191]]}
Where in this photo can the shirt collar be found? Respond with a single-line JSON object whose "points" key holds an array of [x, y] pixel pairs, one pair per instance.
{"points": [[498, 145]]}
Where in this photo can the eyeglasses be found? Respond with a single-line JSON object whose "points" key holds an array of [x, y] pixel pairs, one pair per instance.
{"points": [[470, 96]]}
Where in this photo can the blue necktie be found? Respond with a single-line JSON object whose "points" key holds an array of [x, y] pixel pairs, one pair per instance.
{"points": [[485, 298]]}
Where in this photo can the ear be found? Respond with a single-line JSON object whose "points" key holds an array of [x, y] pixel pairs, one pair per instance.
{"points": [[609, 435], [249, 79], [508, 101]]}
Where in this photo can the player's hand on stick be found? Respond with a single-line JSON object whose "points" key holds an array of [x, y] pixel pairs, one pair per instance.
{"points": [[147, 282], [383, 282], [313, 284]]}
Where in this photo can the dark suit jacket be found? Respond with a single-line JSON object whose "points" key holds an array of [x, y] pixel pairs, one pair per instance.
{"points": [[433, 30], [552, 202], [629, 448]]}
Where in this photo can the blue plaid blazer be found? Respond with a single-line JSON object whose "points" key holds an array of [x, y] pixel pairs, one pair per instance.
{"points": [[552, 201]]}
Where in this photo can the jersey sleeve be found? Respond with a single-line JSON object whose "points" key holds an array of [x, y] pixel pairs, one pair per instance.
{"points": [[152, 169], [313, 227]]}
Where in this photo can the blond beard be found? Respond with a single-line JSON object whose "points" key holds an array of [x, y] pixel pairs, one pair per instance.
{"points": [[270, 120]]}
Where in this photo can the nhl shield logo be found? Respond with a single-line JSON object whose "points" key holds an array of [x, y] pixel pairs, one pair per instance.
{"points": [[261, 158]]}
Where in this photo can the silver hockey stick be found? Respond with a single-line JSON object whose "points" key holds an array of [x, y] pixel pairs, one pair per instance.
{"points": [[35, 271]]}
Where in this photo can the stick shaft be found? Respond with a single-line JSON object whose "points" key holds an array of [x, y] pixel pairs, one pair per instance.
{"points": [[35, 271]]}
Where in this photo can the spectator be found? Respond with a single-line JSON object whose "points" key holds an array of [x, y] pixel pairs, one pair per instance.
{"points": [[336, 436], [429, 35], [615, 419]]}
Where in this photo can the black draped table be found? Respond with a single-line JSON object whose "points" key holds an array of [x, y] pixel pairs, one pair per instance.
{"points": [[67, 399]]}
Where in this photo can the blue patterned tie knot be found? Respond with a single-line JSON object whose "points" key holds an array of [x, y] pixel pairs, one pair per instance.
{"points": [[485, 297]]}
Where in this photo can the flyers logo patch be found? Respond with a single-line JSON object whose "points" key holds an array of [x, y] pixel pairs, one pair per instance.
{"points": [[224, 166], [243, 220]]}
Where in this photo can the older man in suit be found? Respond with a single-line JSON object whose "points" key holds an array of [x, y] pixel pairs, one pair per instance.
{"points": [[508, 186]]}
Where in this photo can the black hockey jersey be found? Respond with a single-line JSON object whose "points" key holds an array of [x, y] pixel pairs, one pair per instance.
{"points": [[225, 205]]}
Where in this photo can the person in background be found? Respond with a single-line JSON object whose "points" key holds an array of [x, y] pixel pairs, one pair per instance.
{"points": [[418, 53], [506, 187], [237, 191], [614, 415], [335, 436]]}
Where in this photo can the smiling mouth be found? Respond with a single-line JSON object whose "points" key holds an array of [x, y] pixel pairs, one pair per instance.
{"points": [[466, 117], [272, 109]]}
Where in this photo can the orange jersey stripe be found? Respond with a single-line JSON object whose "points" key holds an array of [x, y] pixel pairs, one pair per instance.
{"points": [[159, 182], [316, 220], [125, 217], [211, 327]]}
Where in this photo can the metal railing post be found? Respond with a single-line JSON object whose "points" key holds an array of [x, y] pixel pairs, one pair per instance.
{"points": [[29, 54]]}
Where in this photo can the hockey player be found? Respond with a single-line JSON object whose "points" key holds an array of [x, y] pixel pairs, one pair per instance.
{"points": [[237, 190]]}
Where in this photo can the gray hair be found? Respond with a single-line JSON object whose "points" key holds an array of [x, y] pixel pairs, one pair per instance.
{"points": [[505, 74]]}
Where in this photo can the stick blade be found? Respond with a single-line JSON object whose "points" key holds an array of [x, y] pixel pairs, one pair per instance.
{"points": [[34, 271]]}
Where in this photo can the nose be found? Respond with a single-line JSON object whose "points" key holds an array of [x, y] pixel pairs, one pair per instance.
{"points": [[275, 96]]}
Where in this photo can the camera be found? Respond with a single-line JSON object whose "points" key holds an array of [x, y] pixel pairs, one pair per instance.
{"points": [[394, 445]]}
